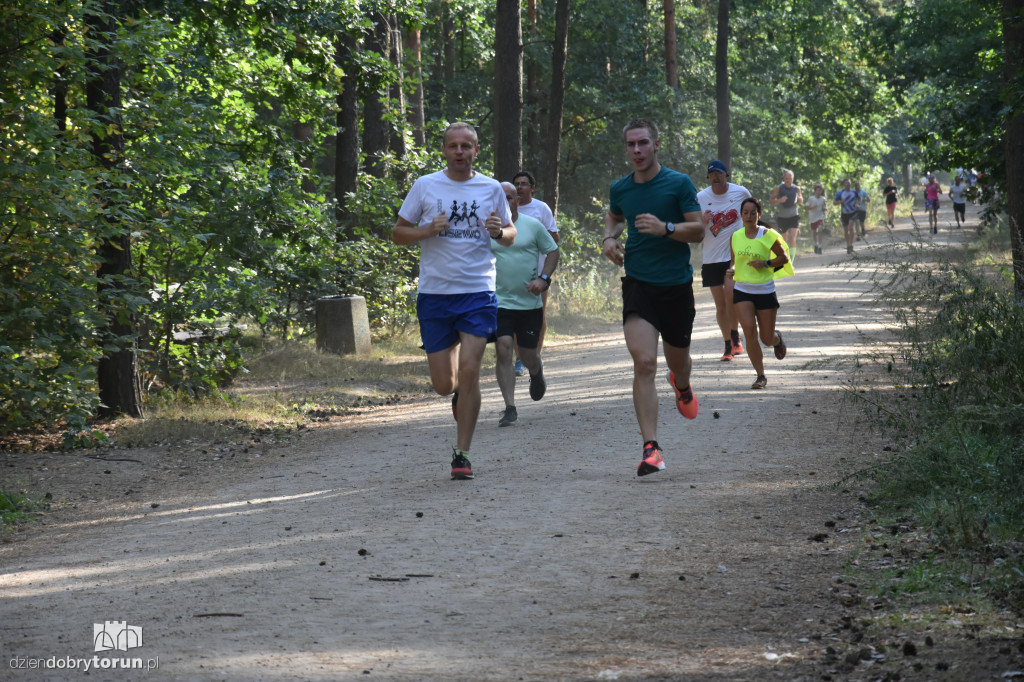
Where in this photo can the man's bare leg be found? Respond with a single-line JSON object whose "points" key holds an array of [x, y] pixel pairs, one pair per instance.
{"points": [[642, 343], [458, 369]]}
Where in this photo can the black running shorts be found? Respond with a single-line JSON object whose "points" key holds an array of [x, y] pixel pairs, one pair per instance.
{"points": [[713, 274], [670, 309], [524, 325], [788, 223], [760, 301]]}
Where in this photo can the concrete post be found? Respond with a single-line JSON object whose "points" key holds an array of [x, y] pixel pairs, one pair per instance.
{"points": [[342, 325]]}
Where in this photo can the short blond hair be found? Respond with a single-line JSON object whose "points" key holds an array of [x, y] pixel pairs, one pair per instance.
{"points": [[460, 125]]}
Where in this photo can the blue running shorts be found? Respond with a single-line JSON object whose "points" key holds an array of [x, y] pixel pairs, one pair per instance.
{"points": [[443, 316]]}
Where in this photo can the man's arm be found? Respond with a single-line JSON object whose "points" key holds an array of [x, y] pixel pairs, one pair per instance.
{"points": [[503, 234], [613, 226], [690, 231], [799, 196], [538, 285], [405, 232], [774, 198]]}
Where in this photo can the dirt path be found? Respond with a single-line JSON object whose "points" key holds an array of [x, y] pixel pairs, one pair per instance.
{"points": [[351, 555]]}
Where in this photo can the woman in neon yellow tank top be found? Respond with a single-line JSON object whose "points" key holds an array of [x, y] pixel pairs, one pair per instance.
{"points": [[759, 256]]}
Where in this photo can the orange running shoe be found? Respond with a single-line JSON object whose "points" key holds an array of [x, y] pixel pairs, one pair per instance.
{"points": [[652, 460], [727, 355], [686, 401], [737, 346]]}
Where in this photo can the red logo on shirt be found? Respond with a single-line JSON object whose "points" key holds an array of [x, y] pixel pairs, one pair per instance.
{"points": [[719, 221]]}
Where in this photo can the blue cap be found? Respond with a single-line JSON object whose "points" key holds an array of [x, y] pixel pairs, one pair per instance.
{"points": [[717, 165]]}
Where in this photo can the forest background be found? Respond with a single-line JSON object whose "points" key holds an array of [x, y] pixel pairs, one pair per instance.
{"points": [[180, 168]]}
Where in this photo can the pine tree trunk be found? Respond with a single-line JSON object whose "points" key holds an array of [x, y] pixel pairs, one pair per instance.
{"points": [[414, 75], [671, 46], [552, 149], [1013, 67], [346, 155], [117, 372], [722, 84], [508, 90], [375, 126]]}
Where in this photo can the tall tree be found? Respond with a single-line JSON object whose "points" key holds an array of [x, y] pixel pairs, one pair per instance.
{"points": [[1013, 67], [118, 370], [508, 89], [722, 84], [553, 148], [532, 98], [396, 90], [414, 75], [671, 46], [376, 132], [346, 141]]}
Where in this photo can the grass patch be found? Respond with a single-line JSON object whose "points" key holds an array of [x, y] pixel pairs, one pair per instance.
{"points": [[17, 507]]}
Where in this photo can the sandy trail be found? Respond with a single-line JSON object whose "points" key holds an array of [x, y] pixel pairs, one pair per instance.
{"points": [[352, 554]]}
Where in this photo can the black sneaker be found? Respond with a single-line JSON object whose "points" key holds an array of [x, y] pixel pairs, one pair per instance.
{"points": [[537, 384], [461, 468], [510, 417]]}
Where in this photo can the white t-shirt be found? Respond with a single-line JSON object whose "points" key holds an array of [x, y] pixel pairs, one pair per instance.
{"points": [[459, 260], [957, 192], [542, 212], [721, 213], [815, 208]]}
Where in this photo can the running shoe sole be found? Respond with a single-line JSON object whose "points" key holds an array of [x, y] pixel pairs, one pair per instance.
{"points": [[687, 409], [461, 469], [538, 386], [780, 347], [651, 464], [646, 468]]}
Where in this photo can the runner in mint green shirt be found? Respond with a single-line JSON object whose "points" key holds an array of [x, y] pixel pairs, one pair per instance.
{"points": [[520, 307]]}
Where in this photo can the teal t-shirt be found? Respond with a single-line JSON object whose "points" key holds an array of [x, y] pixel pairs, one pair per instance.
{"points": [[669, 196], [517, 264]]}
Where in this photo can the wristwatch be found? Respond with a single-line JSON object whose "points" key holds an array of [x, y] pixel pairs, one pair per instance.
{"points": [[767, 262], [670, 229], [546, 278]]}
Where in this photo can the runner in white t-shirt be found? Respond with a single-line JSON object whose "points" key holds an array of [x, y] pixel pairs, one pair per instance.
{"points": [[453, 215], [526, 185], [956, 193], [720, 208]]}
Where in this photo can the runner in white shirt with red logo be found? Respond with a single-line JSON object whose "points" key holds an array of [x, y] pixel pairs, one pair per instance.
{"points": [[720, 208]]}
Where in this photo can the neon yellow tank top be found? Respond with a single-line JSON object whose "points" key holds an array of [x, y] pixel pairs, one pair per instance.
{"points": [[745, 250]]}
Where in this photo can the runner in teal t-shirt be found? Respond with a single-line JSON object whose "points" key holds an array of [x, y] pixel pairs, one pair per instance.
{"points": [[659, 210], [520, 307]]}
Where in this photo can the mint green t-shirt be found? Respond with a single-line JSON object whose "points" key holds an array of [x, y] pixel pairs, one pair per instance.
{"points": [[517, 264], [668, 196]]}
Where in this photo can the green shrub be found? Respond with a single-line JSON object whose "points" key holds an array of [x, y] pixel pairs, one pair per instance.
{"points": [[961, 469]]}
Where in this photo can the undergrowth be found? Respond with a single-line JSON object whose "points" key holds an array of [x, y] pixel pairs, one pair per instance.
{"points": [[954, 399]]}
